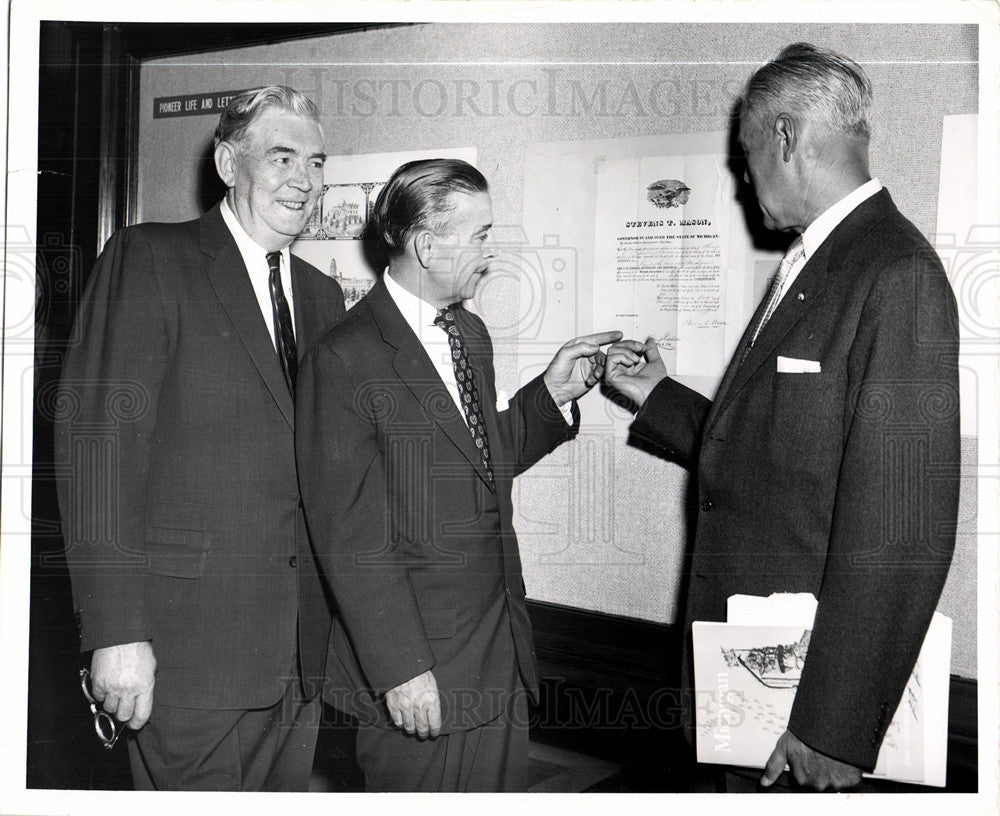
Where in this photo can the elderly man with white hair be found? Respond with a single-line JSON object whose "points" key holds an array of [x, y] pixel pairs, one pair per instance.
{"points": [[192, 573]]}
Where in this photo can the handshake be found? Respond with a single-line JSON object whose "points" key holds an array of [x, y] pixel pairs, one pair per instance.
{"points": [[629, 370]]}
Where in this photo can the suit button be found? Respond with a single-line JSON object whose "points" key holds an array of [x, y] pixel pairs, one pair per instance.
{"points": [[293, 561], [507, 589], [301, 505], [706, 505]]}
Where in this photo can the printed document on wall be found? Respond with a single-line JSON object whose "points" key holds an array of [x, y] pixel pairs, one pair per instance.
{"points": [[670, 257]]}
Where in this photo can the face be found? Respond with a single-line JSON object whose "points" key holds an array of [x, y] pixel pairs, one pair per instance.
{"points": [[462, 250], [275, 176], [766, 172]]}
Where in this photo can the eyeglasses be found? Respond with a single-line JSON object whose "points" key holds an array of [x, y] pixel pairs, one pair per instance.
{"points": [[104, 724]]}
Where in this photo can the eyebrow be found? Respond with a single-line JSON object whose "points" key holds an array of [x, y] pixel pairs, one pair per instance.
{"points": [[282, 149], [483, 228]]}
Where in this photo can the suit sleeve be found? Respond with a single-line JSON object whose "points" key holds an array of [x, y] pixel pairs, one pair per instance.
{"points": [[105, 424], [533, 425], [893, 529], [343, 486], [671, 420]]}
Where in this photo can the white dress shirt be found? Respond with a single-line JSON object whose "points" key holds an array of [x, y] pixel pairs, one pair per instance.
{"points": [[818, 231], [419, 316], [255, 259]]}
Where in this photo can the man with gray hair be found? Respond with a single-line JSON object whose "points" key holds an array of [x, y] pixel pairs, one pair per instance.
{"points": [[192, 574], [828, 461]]}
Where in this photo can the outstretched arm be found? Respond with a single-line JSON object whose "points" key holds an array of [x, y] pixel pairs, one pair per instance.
{"points": [[670, 416]]}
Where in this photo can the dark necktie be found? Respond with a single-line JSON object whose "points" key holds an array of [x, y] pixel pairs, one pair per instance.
{"points": [[284, 336], [467, 391]]}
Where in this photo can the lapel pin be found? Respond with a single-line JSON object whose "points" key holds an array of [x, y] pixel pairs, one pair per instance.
{"points": [[802, 295]]}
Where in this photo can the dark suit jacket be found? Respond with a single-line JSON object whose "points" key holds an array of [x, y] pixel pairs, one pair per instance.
{"points": [[842, 483], [417, 545], [181, 516]]}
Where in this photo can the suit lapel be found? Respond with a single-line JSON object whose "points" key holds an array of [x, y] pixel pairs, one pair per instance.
{"points": [[805, 294], [415, 370], [734, 366], [228, 276]]}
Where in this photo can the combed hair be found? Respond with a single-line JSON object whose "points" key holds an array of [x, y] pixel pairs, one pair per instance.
{"points": [[418, 196], [813, 83], [241, 112]]}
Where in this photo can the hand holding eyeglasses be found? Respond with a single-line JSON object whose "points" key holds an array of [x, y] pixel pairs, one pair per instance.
{"points": [[104, 724], [121, 678]]}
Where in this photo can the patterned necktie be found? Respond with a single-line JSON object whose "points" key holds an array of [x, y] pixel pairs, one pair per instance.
{"points": [[796, 252], [467, 391], [284, 337]]}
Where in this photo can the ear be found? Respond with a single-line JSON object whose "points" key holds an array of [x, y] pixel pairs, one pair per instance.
{"points": [[423, 247], [787, 133], [225, 163]]}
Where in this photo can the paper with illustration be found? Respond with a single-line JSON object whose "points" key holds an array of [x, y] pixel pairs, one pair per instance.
{"points": [[747, 672], [332, 239]]}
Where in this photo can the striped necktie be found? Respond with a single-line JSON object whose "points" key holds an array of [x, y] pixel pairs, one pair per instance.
{"points": [[796, 252]]}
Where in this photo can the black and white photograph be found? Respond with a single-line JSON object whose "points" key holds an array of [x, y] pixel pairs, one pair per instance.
{"points": [[480, 396]]}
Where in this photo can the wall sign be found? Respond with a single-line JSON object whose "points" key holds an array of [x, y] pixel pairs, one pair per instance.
{"points": [[203, 104]]}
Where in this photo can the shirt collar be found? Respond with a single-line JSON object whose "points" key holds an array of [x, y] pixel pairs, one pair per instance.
{"points": [[418, 313], [254, 255], [818, 231]]}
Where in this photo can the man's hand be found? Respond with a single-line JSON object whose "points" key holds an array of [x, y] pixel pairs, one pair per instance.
{"points": [[122, 678], [415, 706], [633, 369], [810, 768], [578, 366]]}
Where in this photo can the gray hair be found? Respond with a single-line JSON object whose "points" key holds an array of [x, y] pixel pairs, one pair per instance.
{"points": [[813, 83], [244, 109]]}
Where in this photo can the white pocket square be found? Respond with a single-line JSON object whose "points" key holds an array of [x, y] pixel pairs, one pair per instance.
{"points": [[790, 365], [503, 403]]}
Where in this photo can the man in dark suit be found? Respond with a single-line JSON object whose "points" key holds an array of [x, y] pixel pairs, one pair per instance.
{"points": [[192, 573], [828, 461], [406, 456]]}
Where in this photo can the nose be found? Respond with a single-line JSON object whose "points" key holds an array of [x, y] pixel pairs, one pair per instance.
{"points": [[490, 251], [300, 178]]}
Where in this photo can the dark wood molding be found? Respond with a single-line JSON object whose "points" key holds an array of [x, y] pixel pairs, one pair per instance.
{"points": [[113, 77], [586, 647]]}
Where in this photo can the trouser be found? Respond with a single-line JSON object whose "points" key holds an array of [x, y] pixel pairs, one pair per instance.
{"points": [[266, 749], [491, 758]]}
